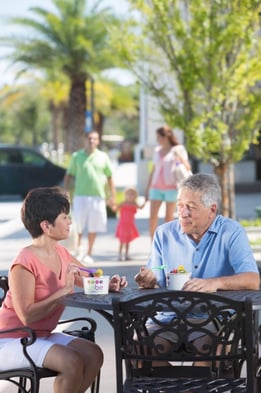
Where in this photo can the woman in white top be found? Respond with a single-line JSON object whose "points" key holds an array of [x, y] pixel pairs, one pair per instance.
{"points": [[162, 184]]}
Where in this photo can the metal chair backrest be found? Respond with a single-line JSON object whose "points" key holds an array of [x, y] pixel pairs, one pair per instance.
{"points": [[3, 288], [147, 343]]}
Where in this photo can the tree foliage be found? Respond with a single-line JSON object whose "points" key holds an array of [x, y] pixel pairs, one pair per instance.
{"points": [[201, 59], [24, 115], [72, 40], [49, 96]]}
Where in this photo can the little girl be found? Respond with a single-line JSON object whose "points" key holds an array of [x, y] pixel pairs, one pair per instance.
{"points": [[126, 230]]}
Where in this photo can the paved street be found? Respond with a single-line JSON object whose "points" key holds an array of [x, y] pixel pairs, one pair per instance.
{"points": [[13, 237]]}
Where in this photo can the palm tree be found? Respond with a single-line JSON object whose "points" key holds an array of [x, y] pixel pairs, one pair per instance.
{"points": [[112, 100], [55, 90], [24, 114], [69, 40]]}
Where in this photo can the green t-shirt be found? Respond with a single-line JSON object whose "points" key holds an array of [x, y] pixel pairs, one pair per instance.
{"points": [[90, 172]]}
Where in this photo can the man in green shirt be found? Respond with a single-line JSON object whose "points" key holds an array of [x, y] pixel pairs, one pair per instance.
{"points": [[91, 170]]}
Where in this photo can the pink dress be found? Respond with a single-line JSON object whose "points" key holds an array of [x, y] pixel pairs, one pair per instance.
{"points": [[126, 229]]}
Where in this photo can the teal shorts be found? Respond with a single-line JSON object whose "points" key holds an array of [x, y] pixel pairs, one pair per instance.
{"points": [[163, 195]]}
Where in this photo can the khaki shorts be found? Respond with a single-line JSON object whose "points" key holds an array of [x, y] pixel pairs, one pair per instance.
{"points": [[173, 338]]}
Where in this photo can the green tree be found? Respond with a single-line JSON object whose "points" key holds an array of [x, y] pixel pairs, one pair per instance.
{"points": [[24, 115], [51, 93], [55, 90], [72, 40], [201, 59], [110, 100], [113, 103]]}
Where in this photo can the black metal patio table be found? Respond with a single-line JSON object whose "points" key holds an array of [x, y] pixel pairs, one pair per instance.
{"points": [[103, 303]]}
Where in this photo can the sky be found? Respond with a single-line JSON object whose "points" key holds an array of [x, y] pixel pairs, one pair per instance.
{"points": [[14, 8], [20, 7]]}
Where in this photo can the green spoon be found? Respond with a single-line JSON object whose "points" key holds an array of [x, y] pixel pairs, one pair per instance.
{"points": [[159, 267]]}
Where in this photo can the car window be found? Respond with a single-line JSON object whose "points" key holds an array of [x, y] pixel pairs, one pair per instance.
{"points": [[31, 158], [4, 157], [10, 156]]}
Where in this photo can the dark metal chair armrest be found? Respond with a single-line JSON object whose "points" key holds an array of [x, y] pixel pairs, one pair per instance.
{"points": [[3, 287], [92, 322], [25, 341], [87, 332], [33, 372]]}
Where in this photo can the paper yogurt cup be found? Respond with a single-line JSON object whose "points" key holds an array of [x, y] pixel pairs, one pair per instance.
{"points": [[96, 285], [177, 280]]}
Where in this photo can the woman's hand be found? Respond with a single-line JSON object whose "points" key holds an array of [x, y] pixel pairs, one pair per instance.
{"points": [[117, 282], [71, 273]]}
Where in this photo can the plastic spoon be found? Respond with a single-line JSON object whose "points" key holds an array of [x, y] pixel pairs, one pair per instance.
{"points": [[158, 267], [84, 269]]}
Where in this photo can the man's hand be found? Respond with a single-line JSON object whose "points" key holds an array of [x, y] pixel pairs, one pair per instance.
{"points": [[146, 278], [235, 282], [201, 285]]}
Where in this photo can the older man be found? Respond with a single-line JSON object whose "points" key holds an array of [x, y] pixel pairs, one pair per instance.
{"points": [[215, 249]]}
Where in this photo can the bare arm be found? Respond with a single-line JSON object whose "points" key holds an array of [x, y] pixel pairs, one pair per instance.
{"points": [[149, 184], [183, 160], [68, 181], [112, 191], [22, 286], [141, 206], [239, 281]]}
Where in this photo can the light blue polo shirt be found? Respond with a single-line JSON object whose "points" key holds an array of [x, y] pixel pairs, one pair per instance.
{"points": [[224, 250]]}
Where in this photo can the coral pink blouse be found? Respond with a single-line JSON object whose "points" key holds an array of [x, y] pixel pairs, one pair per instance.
{"points": [[46, 283]]}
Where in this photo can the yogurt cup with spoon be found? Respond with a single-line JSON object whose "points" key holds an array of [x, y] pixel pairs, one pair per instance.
{"points": [[177, 278]]}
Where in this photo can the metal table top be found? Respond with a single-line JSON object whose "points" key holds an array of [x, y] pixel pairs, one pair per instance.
{"points": [[104, 302]]}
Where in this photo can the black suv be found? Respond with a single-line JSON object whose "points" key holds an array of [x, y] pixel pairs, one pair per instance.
{"points": [[23, 168]]}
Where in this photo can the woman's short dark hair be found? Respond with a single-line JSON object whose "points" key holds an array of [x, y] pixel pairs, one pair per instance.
{"points": [[43, 203]]}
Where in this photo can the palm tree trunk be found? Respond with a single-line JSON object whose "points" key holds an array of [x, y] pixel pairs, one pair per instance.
{"points": [[99, 122], [76, 112], [55, 112]]}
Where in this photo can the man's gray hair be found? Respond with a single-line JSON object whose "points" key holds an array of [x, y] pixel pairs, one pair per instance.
{"points": [[207, 185]]}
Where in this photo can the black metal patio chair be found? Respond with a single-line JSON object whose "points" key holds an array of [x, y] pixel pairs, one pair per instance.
{"points": [[147, 362], [28, 379]]}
